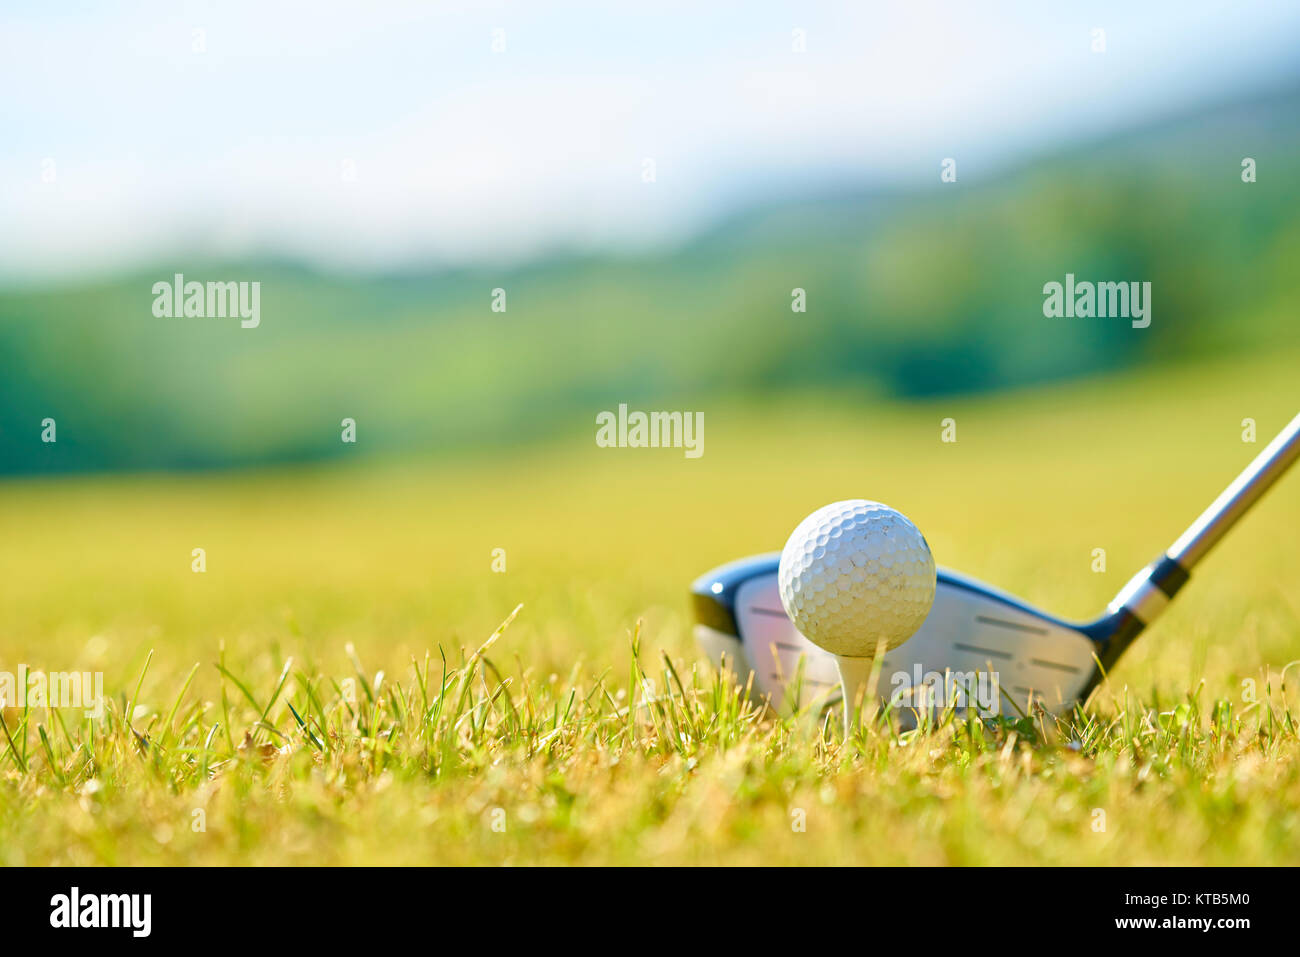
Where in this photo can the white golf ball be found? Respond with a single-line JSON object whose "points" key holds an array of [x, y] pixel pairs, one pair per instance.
{"points": [[854, 574]]}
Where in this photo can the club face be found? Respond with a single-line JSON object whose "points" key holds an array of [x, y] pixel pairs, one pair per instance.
{"points": [[978, 647]]}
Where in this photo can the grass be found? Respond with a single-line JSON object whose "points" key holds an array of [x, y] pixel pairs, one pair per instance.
{"points": [[351, 682]]}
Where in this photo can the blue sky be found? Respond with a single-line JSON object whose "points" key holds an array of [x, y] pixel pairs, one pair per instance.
{"points": [[461, 154]]}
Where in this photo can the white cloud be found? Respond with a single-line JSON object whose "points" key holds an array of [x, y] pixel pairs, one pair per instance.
{"points": [[461, 154]]}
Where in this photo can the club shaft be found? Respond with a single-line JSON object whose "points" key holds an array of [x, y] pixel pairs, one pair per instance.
{"points": [[1238, 497]]}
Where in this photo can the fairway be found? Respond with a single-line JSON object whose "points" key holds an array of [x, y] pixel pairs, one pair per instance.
{"points": [[332, 593]]}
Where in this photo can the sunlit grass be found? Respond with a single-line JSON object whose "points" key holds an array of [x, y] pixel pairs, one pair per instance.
{"points": [[463, 762], [351, 682]]}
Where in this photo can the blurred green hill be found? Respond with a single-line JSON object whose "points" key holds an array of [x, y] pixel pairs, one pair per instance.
{"points": [[933, 291]]}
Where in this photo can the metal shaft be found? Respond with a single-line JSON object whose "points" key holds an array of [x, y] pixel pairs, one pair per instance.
{"points": [[1238, 497]]}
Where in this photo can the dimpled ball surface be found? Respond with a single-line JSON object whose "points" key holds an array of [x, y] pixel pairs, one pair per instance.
{"points": [[855, 573]]}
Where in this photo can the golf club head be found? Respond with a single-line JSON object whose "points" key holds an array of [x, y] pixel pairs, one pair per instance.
{"points": [[978, 647]]}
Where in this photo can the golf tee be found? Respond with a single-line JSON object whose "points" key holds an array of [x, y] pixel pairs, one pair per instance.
{"points": [[854, 675]]}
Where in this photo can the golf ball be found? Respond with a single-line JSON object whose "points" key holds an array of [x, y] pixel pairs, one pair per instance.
{"points": [[854, 574]]}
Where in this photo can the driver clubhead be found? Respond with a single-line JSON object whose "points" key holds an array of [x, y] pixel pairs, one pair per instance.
{"points": [[978, 647]]}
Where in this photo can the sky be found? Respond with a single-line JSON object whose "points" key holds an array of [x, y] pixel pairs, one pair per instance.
{"points": [[374, 135]]}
